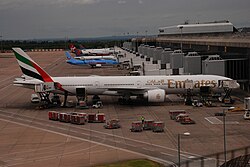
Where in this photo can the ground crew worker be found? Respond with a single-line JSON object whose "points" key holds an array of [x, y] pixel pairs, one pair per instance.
{"points": [[142, 119]]}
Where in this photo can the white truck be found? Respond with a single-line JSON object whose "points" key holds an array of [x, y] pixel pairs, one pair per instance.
{"points": [[34, 98]]}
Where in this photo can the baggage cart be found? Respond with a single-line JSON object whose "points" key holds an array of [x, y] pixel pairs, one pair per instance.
{"points": [[158, 126], [100, 117], [112, 124], [53, 115], [50, 115], [73, 119], [136, 126], [91, 117], [77, 119], [85, 115], [80, 120], [67, 117], [64, 117], [174, 113], [148, 124], [61, 117]]}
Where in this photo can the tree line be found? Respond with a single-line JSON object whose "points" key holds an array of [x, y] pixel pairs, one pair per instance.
{"points": [[27, 45]]}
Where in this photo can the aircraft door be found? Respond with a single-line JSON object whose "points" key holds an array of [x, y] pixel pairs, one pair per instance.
{"points": [[138, 84], [97, 84], [81, 93]]}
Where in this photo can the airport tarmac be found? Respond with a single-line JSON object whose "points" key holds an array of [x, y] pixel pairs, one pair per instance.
{"points": [[29, 138]]}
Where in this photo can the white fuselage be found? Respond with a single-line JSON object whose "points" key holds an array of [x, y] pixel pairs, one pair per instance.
{"points": [[135, 85], [108, 57], [104, 51]]}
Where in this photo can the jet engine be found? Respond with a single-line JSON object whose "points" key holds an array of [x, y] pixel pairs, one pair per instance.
{"points": [[156, 95]]}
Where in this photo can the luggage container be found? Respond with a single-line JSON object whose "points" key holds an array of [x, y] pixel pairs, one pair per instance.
{"points": [[91, 117], [73, 119], [64, 117], [100, 117], [136, 126], [84, 115], [158, 126], [77, 119], [50, 115], [67, 117], [61, 117], [80, 120], [148, 124], [53, 115], [174, 113]]}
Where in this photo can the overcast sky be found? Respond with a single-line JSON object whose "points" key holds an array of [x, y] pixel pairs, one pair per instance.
{"points": [[33, 19]]}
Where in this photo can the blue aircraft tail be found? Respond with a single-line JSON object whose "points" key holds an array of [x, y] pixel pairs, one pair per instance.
{"points": [[69, 57]]}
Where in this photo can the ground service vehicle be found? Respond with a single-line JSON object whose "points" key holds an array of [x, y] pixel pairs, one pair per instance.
{"points": [[180, 117], [34, 98], [112, 124], [158, 126], [197, 103], [148, 124], [247, 115], [187, 120], [98, 104], [136, 126], [174, 113], [55, 100]]}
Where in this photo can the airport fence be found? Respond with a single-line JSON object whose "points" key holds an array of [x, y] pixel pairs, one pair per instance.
{"points": [[235, 158]]}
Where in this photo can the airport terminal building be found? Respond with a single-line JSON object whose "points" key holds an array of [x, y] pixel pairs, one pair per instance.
{"points": [[209, 48]]}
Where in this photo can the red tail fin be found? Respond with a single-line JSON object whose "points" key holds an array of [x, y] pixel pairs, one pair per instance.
{"points": [[72, 48]]}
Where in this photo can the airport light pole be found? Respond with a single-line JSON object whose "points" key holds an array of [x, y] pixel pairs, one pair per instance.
{"points": [[224, 135], [1, 43], [136, 47], [181, 27], [179, 146]]}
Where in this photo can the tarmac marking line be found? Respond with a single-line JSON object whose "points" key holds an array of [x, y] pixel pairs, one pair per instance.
{"points": [[213, 120], [147, 149], [167, 154]]}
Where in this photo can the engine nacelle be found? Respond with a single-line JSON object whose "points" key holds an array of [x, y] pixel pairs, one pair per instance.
{"points": [[156, 95]]}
